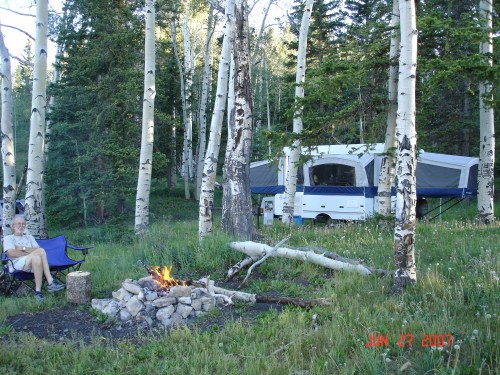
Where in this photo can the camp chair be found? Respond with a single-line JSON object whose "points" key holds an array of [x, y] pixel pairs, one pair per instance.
{"points": [[59, 262]]}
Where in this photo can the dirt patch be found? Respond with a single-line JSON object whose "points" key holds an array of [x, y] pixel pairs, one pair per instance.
{"points": [[77, 323]]}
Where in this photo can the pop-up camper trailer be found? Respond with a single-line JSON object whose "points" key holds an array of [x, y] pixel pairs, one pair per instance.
{"points": [[340, 182]]}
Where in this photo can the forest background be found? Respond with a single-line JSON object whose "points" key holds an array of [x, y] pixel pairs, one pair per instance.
{"points": [[96, 119]]}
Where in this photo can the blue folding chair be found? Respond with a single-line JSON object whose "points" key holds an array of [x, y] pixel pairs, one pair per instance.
{"points": [[59, 263]]}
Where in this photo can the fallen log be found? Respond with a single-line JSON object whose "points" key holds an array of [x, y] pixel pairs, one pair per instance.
{"points": [[258, 250], [261, 260], [334, 255], [260, 298]]}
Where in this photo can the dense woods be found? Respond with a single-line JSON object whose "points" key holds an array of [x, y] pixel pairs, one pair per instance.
{"points": [[91, 166]]}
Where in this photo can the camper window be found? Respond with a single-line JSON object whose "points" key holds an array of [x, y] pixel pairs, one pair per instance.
{"points": [[333, 175]]}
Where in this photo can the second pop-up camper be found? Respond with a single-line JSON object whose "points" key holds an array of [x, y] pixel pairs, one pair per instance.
{"points": [[340, 182]]}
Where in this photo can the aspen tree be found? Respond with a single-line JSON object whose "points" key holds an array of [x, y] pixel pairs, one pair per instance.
{"points": [[387, 168], [486, 177], [34, 207], [293, 160], [237, 219], [146, 156], [213, 147], [8, 159], [406, 162]]}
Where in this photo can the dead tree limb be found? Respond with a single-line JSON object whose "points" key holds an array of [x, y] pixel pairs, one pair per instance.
{"points": [[261, 260], [254, 249], [238, 267], [333, 255], [260, 298]]}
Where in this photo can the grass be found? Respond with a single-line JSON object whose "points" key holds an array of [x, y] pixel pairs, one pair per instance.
{"points": [[457, 294]]}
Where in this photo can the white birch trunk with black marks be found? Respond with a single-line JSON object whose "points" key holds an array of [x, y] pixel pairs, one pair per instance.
{"points": [[52, 101], [237, 218], [406, 162], [210, 163], [386, 175], [486, 177], [148, 108], [8, 158], [188, 84], [185, 154], [34, 200], [205, 89], [293, 160]]}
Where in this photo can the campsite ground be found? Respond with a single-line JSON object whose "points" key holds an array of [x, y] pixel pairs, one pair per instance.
{"points": [[456, 294], [71, 322]]}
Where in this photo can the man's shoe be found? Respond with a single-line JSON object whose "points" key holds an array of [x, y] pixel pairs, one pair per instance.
{"points": [[39, 296], [55, 286]]}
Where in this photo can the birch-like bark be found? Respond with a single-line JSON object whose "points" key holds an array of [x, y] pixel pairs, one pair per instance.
{"points": [[387, 168], [210, 163], [185, 154], [486, 177], [293, 159], [52, 101], [188, 84], [406, 163], [148, 102], [34, 201], [8, 159], [206, 81], [237, 218]]}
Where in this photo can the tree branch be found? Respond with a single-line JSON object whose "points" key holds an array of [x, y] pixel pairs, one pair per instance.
{"points": [[21, 14], [18, 29]]}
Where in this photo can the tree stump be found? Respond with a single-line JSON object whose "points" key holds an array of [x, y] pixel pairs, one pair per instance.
{"points": [[78, 287]]}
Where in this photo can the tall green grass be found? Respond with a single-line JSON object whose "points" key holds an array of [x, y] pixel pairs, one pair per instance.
{"points": [[457, 293]]}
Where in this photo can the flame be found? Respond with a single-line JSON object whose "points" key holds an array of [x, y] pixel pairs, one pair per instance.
{"points": [[162, 277]]}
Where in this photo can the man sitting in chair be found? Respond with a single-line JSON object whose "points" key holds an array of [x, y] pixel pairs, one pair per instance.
{"points": [[27, 256]]}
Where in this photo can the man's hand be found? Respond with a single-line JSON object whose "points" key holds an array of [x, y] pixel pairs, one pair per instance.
{"points": [[19, 251]]}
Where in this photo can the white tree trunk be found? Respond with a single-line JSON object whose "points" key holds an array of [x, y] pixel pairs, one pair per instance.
{"points": [[237, 218], [387, 168], [486, 178], [8, 159], [406, 164], [293, 160], [34, 201], [210, 163], [185, 154], [205, 89], [55, 79], [188, 72], [148, 103]]}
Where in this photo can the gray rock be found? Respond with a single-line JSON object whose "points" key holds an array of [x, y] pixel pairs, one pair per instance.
{"points": [[131, 287], [164, 301], [183, 310], [165, 313], [122, 295], [134, 306], [184, 300], [196, 304], [125, 315], [179, 291]]}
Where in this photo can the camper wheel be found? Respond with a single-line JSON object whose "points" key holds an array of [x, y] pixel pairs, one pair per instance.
{"points": [[422, 208], [327, 220]]}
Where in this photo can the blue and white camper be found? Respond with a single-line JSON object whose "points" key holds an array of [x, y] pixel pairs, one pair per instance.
{"points": [[339, 182]]}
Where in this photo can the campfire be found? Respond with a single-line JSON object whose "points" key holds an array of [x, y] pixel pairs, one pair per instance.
{"points": [[162, 277], [160, 297]]}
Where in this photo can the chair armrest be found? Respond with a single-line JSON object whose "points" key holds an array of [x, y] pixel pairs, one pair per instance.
{"points": [[84, 250]]}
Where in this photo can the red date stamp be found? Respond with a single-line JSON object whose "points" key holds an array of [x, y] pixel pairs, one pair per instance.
{"points": [[409, 339]]}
